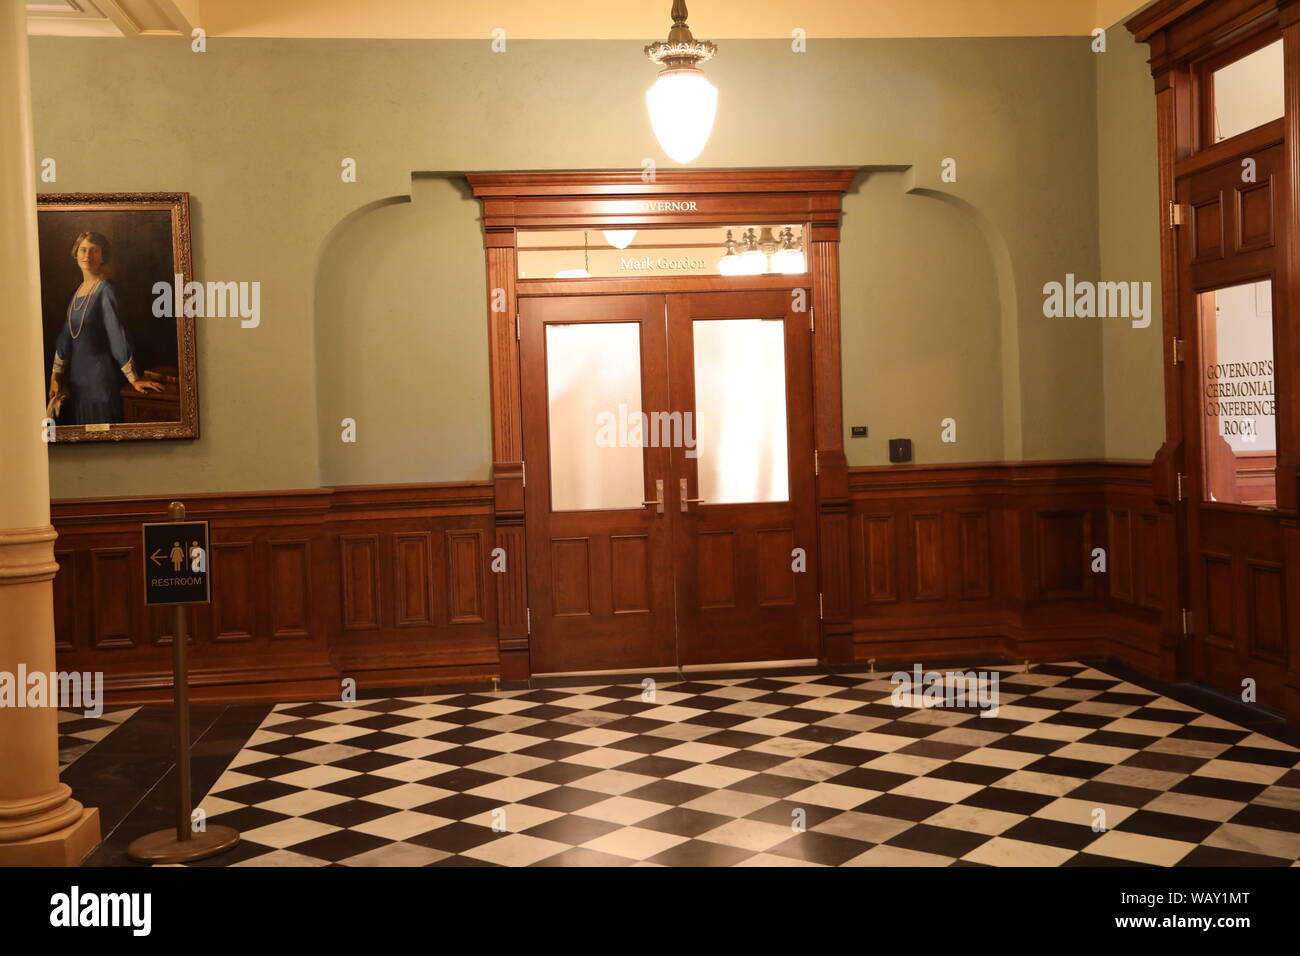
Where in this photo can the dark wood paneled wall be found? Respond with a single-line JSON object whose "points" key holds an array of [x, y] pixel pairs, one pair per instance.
{"points": [[393, 585], [385, 584], [970, 560]]}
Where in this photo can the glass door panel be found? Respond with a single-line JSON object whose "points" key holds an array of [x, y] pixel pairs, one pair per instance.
{"points": [[740, 424], [1238, 398], [593, 386]]}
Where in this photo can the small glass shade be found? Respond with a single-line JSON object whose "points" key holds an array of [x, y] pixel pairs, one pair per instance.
{"points": [[731, 265], [753, 263], [789, 262], [620, 238]]}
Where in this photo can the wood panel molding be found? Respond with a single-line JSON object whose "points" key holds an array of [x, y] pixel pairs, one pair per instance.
{"points": [[386, 584], [942, 562], [997, 559]]}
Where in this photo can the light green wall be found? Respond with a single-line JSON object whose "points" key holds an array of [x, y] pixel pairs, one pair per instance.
{"points": [[401, 345], [385, 290], [921, 329], [1129, 243]]}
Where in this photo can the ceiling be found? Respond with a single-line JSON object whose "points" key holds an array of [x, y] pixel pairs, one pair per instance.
{"points": [[573, 19], [111, 18]]}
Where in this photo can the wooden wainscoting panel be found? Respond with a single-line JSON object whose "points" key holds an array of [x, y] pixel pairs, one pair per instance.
{"points": [[879, 558], [360, 561], [413, 571], [290, 589], [998, 562], [233, 602], [927, 557], [465, 569], [975, 574], [392, 584], [116, 589], [437, 598], [1063, 544]]}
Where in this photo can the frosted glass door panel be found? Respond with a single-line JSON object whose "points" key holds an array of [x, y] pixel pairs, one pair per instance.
{"points": [[593, 383], [740, 410]]}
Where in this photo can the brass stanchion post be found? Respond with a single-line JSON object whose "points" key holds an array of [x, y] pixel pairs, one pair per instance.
{"points": [[164, 846]]}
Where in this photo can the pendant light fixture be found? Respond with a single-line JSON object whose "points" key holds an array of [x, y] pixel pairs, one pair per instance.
{"points": [[753, 262], [763, 253], [682, 101], [584, 272], [729, 264], [789, 259]]}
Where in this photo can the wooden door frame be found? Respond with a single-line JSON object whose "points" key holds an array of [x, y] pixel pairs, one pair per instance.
{"points": [[1185, 38], [633, 199]]}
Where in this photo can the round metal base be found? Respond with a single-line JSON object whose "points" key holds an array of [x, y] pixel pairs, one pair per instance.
{"points": [[161, 846]]}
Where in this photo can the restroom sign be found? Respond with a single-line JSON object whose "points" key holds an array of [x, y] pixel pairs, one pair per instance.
{"points": [[176, 563]]}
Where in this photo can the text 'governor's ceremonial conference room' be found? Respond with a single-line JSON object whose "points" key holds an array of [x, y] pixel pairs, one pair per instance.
{"points": [[837, 434]]}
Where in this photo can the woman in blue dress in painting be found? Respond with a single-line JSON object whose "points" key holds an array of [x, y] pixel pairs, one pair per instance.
{"points": [[93, 354]]}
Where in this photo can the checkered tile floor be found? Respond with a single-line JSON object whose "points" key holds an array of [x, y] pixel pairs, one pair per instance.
{"points": [[816, 770], [78, 733]]}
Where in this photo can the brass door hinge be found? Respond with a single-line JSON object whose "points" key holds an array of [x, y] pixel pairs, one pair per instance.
{"points": [[1181, 493], [1180, 355], [518, 336], [817, 463], [528, 616], [1175, 215], [820, 607], [1187, 622], [812, 320], [523, 475]]}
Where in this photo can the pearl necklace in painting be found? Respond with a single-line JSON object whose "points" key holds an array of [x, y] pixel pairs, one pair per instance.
{"points": [[85, 309]]}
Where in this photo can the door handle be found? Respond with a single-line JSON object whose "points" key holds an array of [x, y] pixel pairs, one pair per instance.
{"points": [[659, 502], [688, 501]]}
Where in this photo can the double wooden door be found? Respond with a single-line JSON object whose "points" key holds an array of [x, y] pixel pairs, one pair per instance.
{"points": [[1231, 307], [668, 485]]}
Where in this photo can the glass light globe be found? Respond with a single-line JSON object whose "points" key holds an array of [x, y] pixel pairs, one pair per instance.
{"points": [[789, 262], [682, 106], [620, 238], [730, 266], [753, 263]]}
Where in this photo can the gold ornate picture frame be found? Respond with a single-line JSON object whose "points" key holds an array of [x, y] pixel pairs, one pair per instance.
{"points": [[120, 358]]}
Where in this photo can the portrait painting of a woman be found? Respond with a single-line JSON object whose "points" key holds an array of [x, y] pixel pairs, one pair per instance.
{"points": [[93, 354], [116, 367]]}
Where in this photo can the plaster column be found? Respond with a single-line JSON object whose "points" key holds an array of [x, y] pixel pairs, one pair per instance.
{"points": [[40, 823]]}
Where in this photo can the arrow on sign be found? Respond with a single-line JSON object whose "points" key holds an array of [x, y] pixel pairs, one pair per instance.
{"points": [[157, 557]]}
